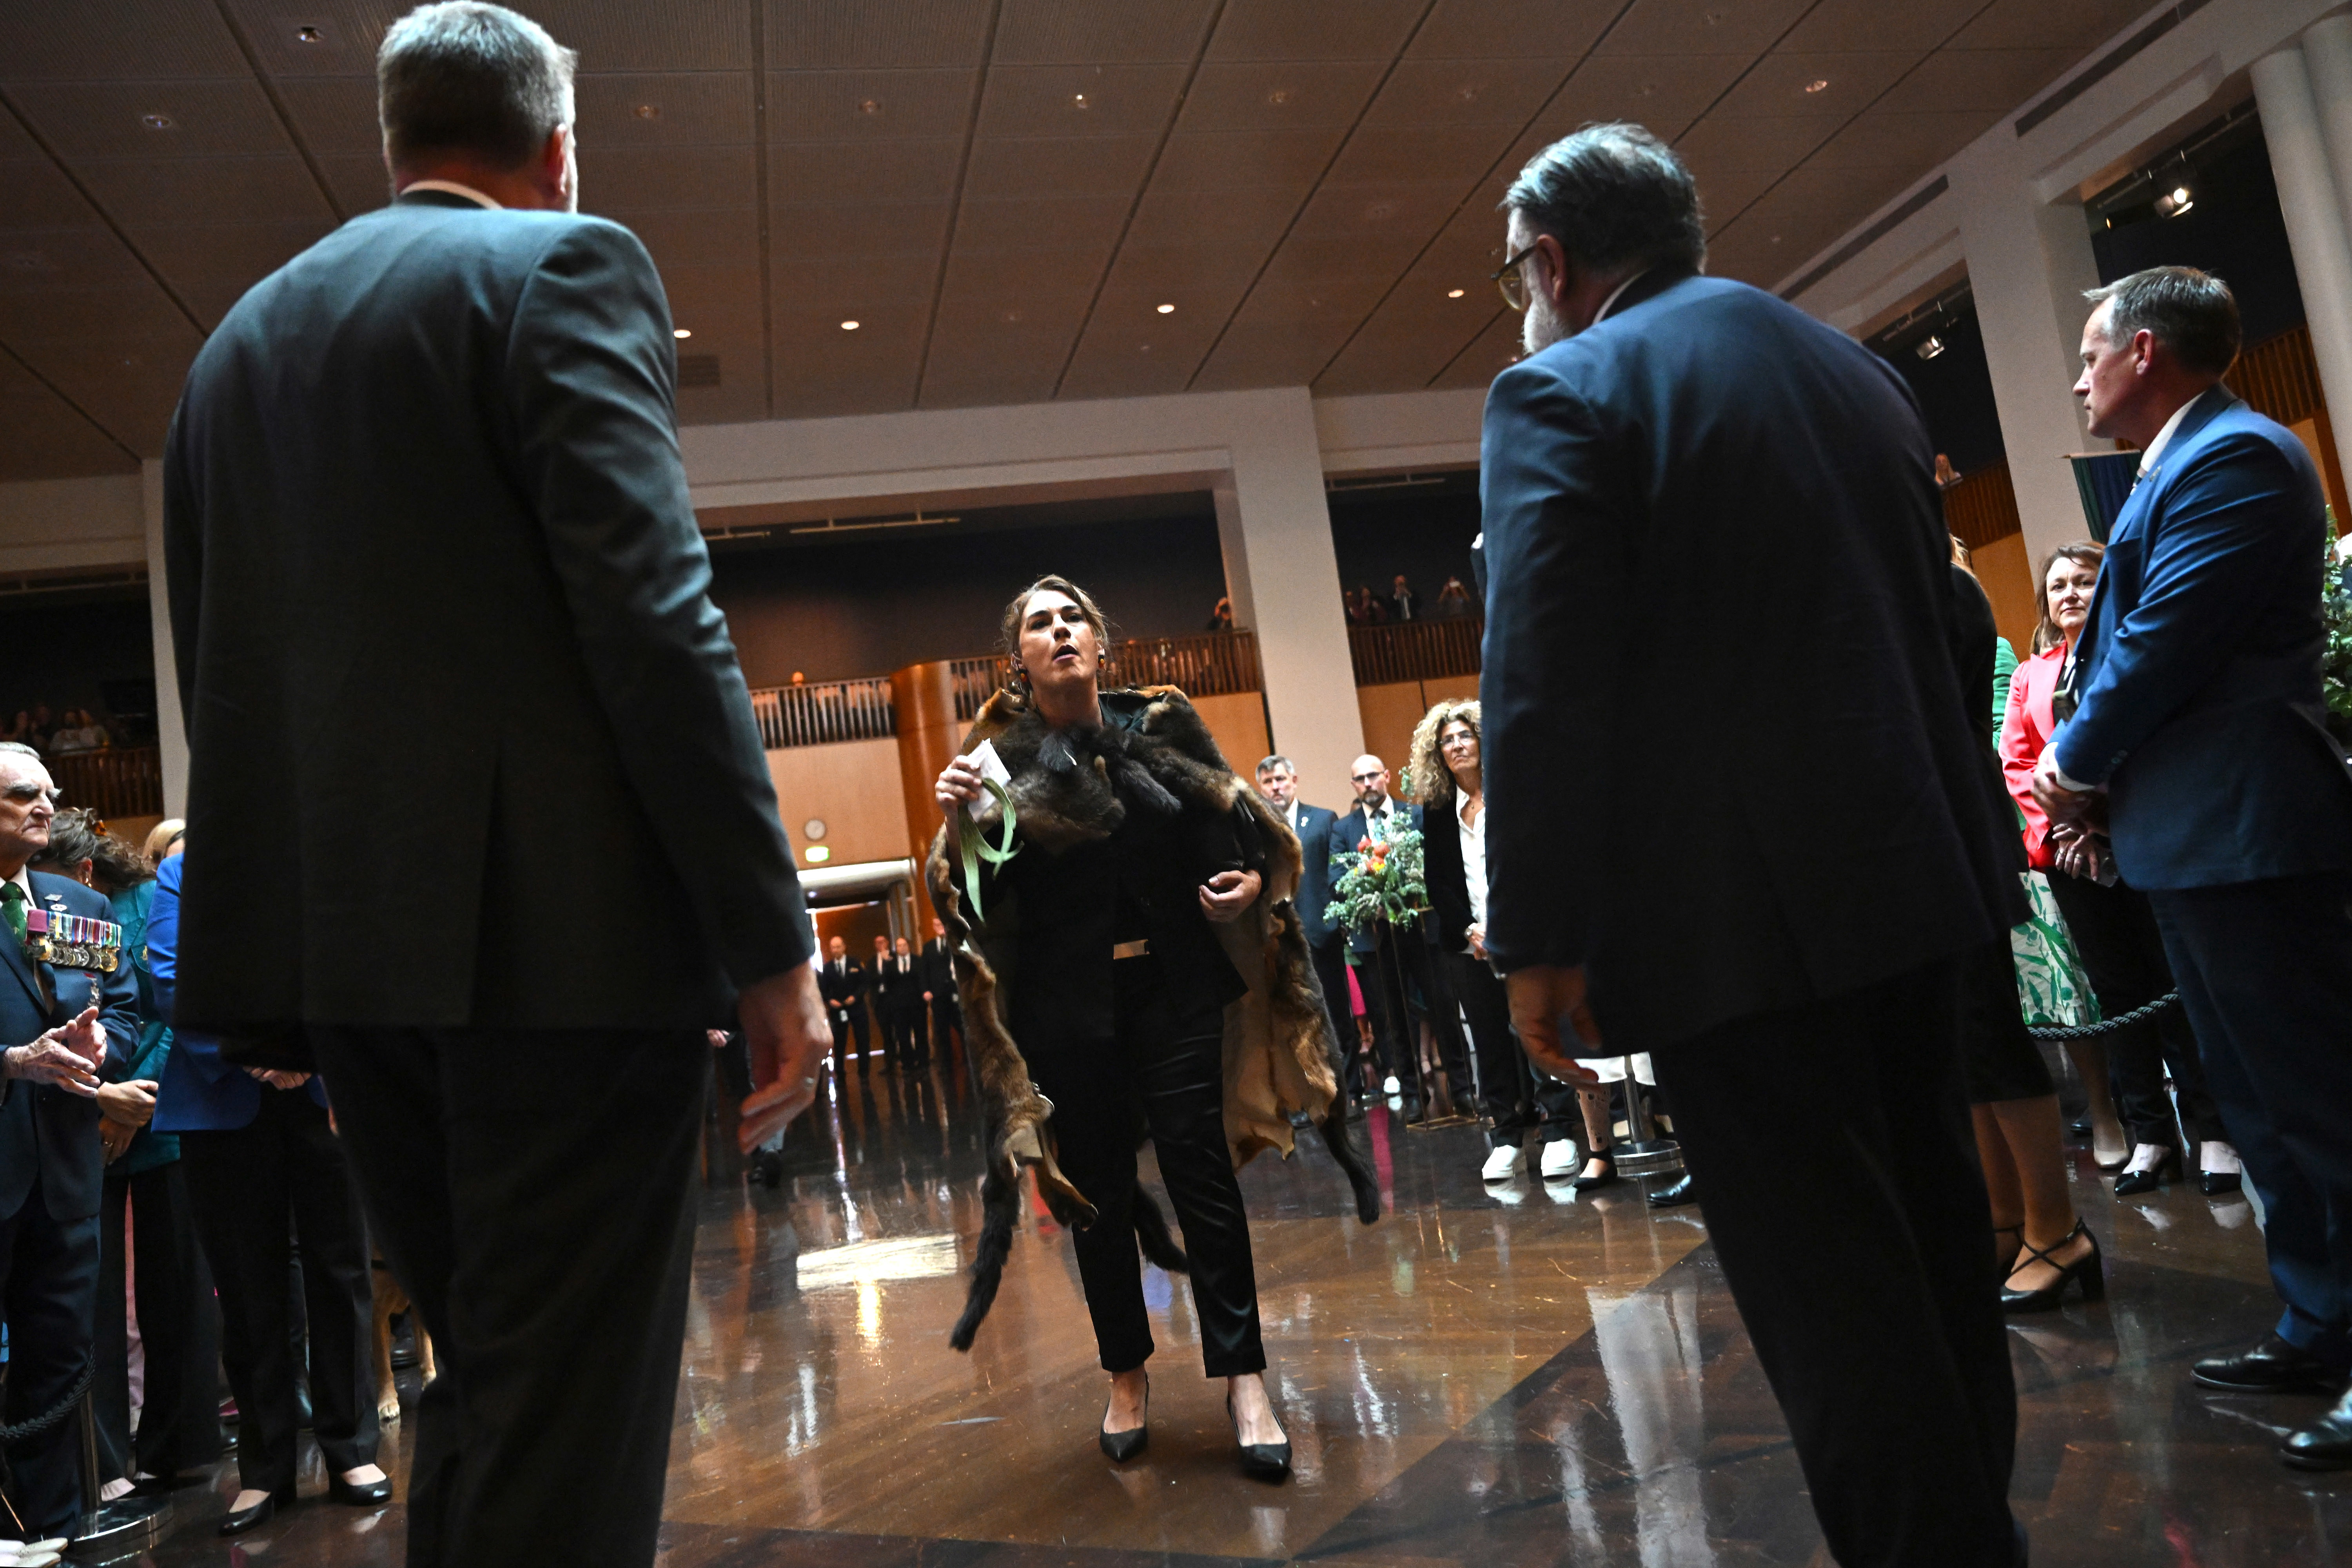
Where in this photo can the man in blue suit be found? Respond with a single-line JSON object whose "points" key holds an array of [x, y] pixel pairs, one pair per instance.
{"points": [[2196, 721], [1674, 443], [1278, 780], [57, 1024]]}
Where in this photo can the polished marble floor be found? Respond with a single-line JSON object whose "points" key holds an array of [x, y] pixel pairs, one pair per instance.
{"points": [[1495, 1375]]}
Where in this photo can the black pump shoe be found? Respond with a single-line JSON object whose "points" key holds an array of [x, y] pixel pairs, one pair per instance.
{"points": [[1121, 1446], [2131, 1184], [2214, 1184], [2086, 1271], [359, 1494], [240, 1519], [1609, 1174], [1260, 1461]]}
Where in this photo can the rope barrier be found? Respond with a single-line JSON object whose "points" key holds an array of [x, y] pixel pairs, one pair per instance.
{"points": [[2089, 1030], [55, 1413]]}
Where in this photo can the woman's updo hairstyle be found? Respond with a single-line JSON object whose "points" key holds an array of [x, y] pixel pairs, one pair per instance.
{"points": [[1018, 611]]}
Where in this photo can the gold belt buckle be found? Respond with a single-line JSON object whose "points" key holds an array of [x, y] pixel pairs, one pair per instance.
{"points": [[1131, 950]]}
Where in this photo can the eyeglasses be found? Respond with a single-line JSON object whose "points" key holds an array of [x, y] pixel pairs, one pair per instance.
{"points": [[1512, 282], [1451, 741]]}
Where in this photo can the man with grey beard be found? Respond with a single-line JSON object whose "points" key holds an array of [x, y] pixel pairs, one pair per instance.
{"points": [[1680, 449]]}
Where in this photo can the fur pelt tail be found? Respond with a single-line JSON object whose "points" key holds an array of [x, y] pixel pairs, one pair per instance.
{"points": [[1000, 1204], [1341, 1142], [1159, 1247]]}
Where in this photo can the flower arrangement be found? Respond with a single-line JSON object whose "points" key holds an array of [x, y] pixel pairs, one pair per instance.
{"points": [[2336, 615], [1383, 882]]}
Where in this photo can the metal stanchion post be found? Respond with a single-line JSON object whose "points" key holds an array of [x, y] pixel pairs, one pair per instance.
{"points": [[1645, 1154], [111, 1530]]}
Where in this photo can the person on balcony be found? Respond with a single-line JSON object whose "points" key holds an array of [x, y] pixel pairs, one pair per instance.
{"points": [[1221, 619], [1404, 604], [1453, 601]]}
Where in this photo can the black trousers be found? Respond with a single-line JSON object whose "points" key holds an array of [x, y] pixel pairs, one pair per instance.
{"points": [[843, 1027], [48, 1291], [1395, 971], [2115, 929], [247, 1187], [1838, 1131], [178, 1329], [2265, 970], [903, 1021], [1331, 974], [1166, 1060], [531, 1190], [947, 1018], [1510, 1093]]}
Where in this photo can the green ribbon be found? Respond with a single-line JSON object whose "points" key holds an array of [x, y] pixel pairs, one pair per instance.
{"points": [[976, 848]]}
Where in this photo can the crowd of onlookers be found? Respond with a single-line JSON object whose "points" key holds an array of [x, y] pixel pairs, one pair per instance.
{"points": [[58, 734], [1403, 603]]}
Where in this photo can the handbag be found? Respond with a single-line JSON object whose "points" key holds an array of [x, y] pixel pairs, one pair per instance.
{"points": [[2052, 985]]}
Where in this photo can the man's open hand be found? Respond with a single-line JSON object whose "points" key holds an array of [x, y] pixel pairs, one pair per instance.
{"points": [[1541, 995], [783, 1024]]}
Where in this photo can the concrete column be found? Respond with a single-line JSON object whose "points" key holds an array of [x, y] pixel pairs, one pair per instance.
{"points": [[171, 727], [1284, 578], [2029, 262], [2308, 186]]}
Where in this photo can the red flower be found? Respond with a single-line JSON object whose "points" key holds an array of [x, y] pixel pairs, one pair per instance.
{"points": [[1363, 843]]}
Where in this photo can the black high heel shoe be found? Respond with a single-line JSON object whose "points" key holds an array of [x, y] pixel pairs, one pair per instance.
{"points": [[1121, 1446], [1260, 1461], [2088, 1271], [240, 1519], [2131, 1184], [1587, 1183]]}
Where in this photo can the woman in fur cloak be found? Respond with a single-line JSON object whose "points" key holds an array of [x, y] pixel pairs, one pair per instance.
{"points": [[1138, 971]]}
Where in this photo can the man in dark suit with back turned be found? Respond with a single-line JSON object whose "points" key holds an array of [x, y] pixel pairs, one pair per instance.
{"points": [[1657, 877], [2195, 708], [1278, 780], [445, 644], [57, 1024]]}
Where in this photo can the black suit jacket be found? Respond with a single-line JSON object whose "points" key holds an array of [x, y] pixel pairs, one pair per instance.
{"points": [[468, 743], [1448, 876], [894, 992], [1315, 828], [1349, 830], [939, 969], [1665, 811], [842, 984], [46, 1131]]}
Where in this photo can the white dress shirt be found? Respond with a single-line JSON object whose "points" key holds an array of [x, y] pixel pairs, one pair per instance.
{"points": [[2164, 437], [453, 188], [1474, 858]]}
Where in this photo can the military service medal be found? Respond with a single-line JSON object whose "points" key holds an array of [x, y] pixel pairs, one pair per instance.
{"points": [[67, 941]]}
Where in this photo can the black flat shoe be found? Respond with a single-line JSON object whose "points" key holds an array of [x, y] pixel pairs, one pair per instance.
{"points": [[2216, 1183], [359, 1494], [2326, 1444], [1675, 1195], [2086, 1271], [1260, 1461], [1121, 1446], [2131, 1184], [2273, 1366], [240, 1519], [1609, 1174]]}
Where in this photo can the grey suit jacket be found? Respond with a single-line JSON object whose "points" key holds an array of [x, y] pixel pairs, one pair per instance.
{"points": [[469, 742]]}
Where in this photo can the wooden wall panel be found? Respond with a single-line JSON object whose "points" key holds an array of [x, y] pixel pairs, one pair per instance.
{"points": [[854, 786]]}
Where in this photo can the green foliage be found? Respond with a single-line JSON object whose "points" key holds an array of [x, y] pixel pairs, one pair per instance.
{"points": [[2335, 660], [1383, 882]]}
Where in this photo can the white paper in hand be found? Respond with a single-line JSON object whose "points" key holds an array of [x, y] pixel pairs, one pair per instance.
{"points": [[991, 767]]}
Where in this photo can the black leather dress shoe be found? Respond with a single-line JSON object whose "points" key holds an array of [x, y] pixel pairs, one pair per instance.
{"points": [[2273, 1367], [2326, 1444], [359, 1494], [1675, 1195], [239, 1520]]}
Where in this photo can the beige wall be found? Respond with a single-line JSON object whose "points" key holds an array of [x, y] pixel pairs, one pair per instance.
{"points": [[1237, 722], [2008, 578], [855, 787], [1390, 714]]}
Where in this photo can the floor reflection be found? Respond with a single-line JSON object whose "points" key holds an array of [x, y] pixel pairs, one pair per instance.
{"points": [[1504, 1375]]}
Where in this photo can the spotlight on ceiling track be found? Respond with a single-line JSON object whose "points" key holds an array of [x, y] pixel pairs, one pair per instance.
{"points": [[2174, 201], [1929, 346]]}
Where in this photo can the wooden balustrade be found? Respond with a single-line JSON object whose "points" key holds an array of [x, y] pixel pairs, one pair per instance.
{"points": [[1203, 664], [826, 713], [1415, 651], [124, 781]]}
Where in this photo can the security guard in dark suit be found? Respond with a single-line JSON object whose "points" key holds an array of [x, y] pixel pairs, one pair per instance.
{"points": [[940, 988], [842, 981], [62, 1009]]}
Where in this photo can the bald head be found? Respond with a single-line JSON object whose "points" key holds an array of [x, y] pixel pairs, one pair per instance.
{"points": [[1369, 776]]}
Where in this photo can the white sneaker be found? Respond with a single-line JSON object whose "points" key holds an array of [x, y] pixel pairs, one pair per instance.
{"points": [[1391, 1086], [1560, 1160], [1503, 1164]]}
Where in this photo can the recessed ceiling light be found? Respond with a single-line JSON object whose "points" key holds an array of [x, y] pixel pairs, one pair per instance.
{"points": [[156, 121], [869, 106], [849, 326], [1167, 310], [1467, 92], [1454, 294], [1819, 84], [1010, 315], [1278, 97], [1078, 100], [681, 332], [308, 34], [650, 111]]}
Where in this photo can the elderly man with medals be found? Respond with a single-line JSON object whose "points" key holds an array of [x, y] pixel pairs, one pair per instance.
{"points": [[67, 999]]}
